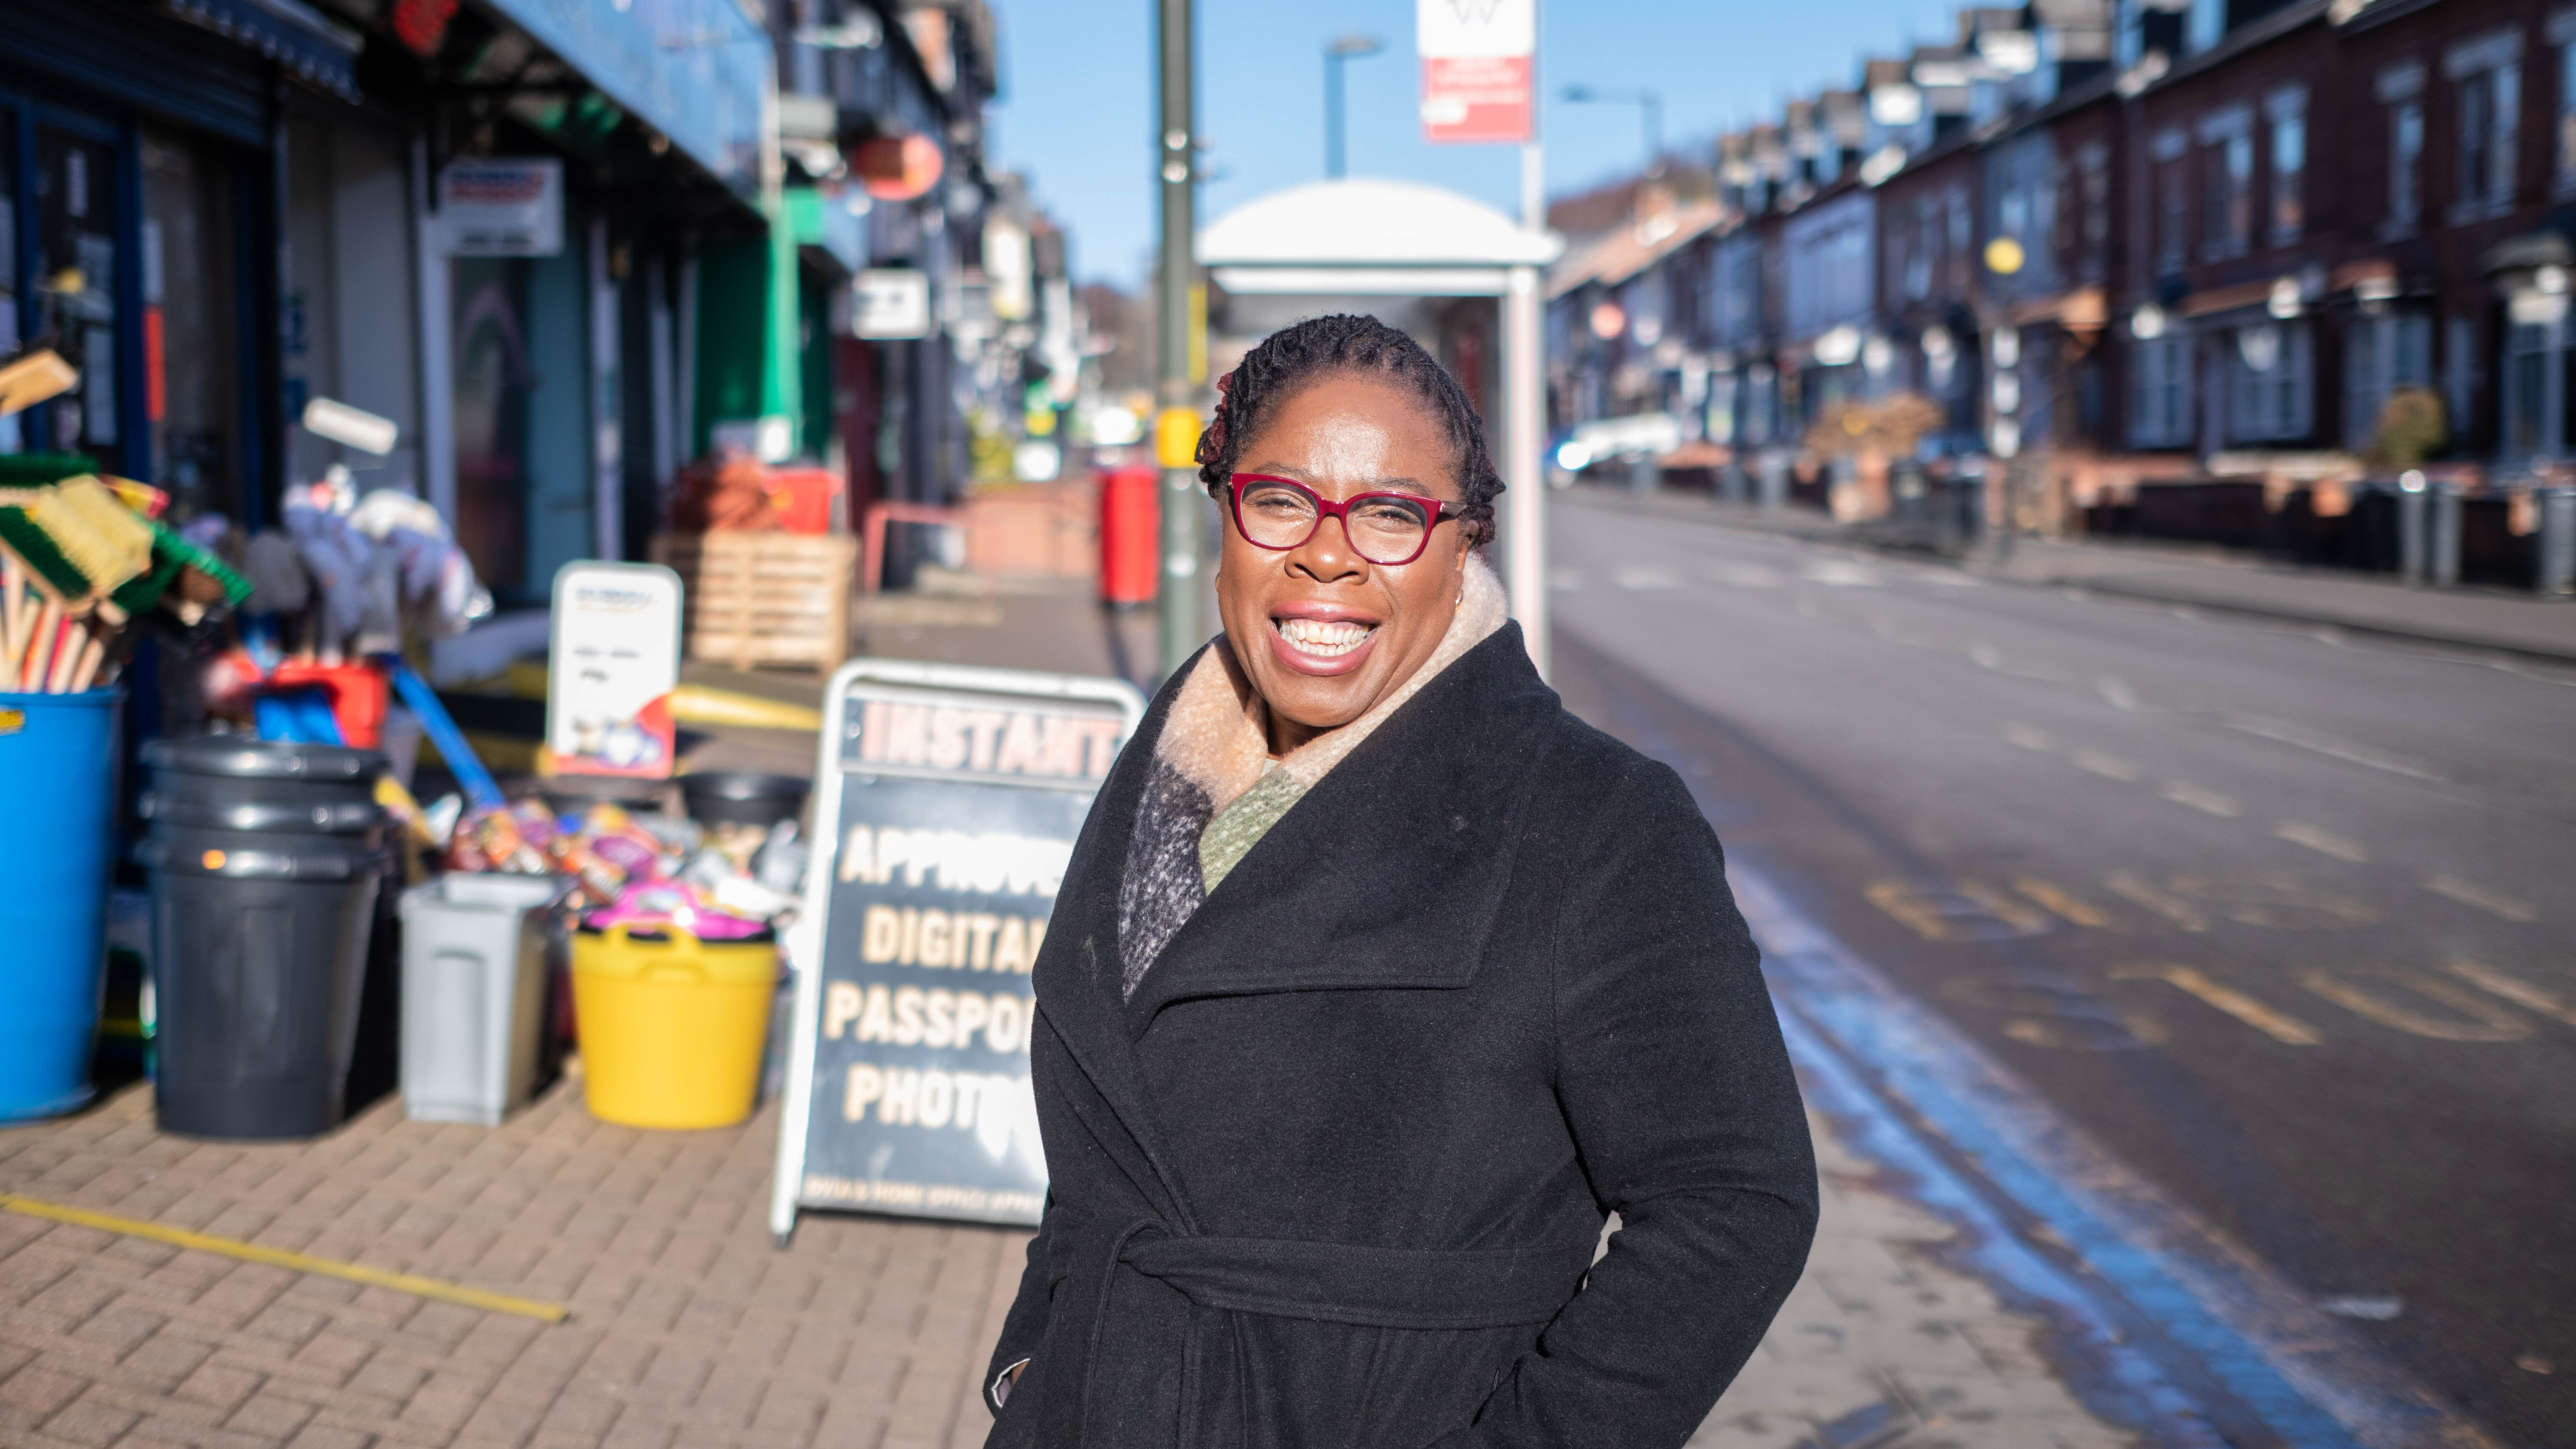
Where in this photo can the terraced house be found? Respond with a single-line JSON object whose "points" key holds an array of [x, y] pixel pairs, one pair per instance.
{"points": [[2111, 254]]}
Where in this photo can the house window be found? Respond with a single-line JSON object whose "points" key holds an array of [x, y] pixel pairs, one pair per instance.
{"points": [[2400, 88], [2288, 113], [2094, 167], [2160, 393], [2487, 106], [2382, 354], [2173, 205], [2226, 140], [2230, 214], [2527, 430], [2405, 166], [1925, 240], [2460, 372], [2562, 30], [2487, 79], [2269, 372]]}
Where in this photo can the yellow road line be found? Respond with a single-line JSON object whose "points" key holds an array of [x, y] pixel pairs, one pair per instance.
{"points": [[2486, 1021], [2131, 887], [2062, 902], [2485, 900], [2514, 989], [2280, 1026], [2322, 841], [279, 1257]]}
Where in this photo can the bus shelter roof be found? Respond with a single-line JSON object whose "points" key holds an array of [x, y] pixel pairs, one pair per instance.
{"points": [[1369, 236]]}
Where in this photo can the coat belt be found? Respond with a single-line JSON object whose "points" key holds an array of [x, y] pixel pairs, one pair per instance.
{"points": [[1373, 1287], [1317, 1281]]}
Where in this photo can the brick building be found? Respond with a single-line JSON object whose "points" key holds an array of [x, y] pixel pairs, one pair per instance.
{"points": [[2131, 240]]}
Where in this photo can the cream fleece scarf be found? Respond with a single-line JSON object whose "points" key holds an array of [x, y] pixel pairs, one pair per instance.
{"points": [[1215, 790]]}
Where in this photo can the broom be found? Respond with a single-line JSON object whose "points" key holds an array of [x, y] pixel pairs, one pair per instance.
{"points": [[185, 581], [78, 543]]}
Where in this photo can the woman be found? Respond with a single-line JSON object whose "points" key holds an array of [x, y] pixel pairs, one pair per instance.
{"points": [[1376, 981]]}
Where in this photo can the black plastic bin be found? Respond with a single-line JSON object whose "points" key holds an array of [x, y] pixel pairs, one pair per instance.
{"points": [[266, 864], [743, 797]]}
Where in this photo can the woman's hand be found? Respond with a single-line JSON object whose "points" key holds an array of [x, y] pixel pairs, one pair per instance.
{"points": [[1009, 1380]]}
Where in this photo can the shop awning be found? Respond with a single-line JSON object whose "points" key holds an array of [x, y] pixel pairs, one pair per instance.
{"points": [[693, 70], [295, 35]]}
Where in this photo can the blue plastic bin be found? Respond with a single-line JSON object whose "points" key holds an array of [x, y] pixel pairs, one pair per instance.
{"points": [[58, 795]]}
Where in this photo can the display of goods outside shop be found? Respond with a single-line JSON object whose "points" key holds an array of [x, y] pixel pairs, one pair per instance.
{"points": [[734, 492], [757, 599]]}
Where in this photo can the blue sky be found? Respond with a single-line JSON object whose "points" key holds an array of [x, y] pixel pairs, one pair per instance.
{"points": [[1077, 111]]}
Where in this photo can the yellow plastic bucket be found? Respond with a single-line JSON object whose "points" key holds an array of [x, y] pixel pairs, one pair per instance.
{"points": [[672, 1029]]}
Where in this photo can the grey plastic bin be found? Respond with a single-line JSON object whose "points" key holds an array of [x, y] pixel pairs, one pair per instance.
{"points": [[475, 958]]}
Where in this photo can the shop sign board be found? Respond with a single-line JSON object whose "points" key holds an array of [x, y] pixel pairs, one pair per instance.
{"points": [[1478, 63], [890, 304], [948, 802], [612, 661], [504, 207]]}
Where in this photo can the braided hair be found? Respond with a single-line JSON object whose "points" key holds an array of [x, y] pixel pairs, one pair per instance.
{"points": [[1349, 344]]}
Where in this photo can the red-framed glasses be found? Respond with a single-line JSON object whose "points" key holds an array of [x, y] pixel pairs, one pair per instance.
{"points": [[1387, 529]]}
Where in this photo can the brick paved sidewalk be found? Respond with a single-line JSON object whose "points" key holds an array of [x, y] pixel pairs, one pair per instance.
{"points": [[1883, 1345], [689, 1329]]}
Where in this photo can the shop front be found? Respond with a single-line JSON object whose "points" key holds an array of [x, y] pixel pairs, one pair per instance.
{"points": [[593, 169], [140, 223]]}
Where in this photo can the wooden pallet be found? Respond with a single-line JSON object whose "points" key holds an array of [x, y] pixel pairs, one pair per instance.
{"points": [[763, 598]]}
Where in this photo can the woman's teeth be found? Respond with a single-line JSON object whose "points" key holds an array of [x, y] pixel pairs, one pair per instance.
{"points": [[1323, 638]]}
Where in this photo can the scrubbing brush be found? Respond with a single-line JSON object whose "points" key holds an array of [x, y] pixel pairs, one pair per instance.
{"points": [[77, 543], [122, 547], [78, 539], [185, 578], [34, 470]]}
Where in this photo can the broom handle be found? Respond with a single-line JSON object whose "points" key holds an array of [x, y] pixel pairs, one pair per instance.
{"points": [[67, 652], [31, 663], [13, 605], [86, 671]]}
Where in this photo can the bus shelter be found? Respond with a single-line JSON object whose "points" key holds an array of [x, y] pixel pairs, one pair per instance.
{"points": [[1460, 276]]}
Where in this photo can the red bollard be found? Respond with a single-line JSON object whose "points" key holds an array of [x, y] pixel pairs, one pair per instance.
{"points": [[1131, 535]]}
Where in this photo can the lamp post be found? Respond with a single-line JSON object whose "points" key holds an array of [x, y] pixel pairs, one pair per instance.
{"points": [[1342, 47], [1176, 426], [1650, 114]]}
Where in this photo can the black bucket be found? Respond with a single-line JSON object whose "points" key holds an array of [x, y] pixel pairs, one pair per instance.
{"points": [[744, 797], [267, 861], [574, 794]]}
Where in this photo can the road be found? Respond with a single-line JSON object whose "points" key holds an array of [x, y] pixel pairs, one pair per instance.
{"points": [[2278, 919]]}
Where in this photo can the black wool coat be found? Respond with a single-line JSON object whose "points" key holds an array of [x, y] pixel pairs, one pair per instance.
{"points": [[1335, 1174]]}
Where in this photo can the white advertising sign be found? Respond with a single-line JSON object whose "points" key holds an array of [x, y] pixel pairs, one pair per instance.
{"points": [[502, 207], [946, 803], [891, 304], [1478, 62], [612, 662]]}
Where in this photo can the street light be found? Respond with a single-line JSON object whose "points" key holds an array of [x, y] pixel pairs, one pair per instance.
{"points": [[1650, 108], [1341, 48]]}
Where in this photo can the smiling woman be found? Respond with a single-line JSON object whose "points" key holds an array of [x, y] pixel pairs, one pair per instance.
{"points": [[1375, 983]]}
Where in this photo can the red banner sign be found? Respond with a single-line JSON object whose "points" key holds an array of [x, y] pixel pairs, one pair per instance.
{"points": [[1477, 67], [1480, 98]]}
